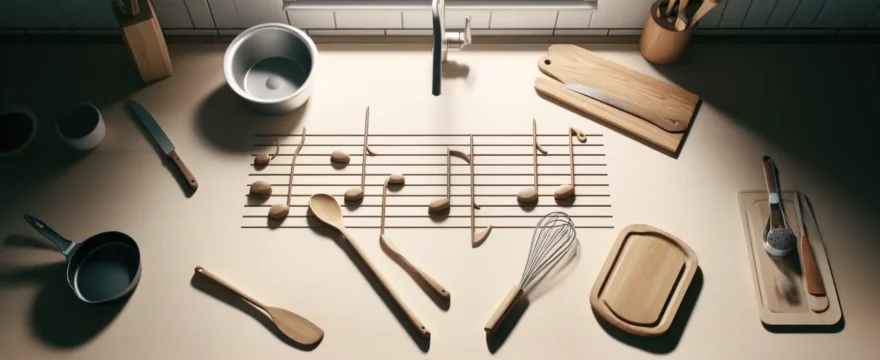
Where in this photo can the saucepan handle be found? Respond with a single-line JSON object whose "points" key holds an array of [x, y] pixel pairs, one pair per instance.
{"points": [[66, 246]]}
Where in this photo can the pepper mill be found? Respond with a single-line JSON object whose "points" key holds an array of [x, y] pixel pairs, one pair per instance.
{"points": [[143, 37]]}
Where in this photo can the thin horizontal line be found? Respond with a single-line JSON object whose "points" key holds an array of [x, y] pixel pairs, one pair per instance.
{"points": [[447, 216], [426, 174], [405, 227], [461, 206], [420, 135], [438, 164], [439, 154], [410, 195], [423, 145], [427, 185]]}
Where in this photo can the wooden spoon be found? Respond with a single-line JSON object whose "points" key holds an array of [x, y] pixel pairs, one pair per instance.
{"points": [[291, 325], [328, 211]]}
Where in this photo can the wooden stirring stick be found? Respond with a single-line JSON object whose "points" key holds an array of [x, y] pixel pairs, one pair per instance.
{"points": [[295, 327]]}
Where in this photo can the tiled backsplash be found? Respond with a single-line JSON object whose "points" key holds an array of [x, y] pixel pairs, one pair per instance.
{"points": [[613, 17]]}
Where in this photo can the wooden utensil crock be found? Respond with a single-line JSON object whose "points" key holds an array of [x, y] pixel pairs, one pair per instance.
{"points": [[661, 44]]}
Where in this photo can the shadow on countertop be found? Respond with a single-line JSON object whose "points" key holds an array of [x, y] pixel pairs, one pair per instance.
{"points": [[229, 123], [58, 318], [667, 342]]}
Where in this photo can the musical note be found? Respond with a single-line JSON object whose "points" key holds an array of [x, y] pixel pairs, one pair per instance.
{"points": [[422, 278], [477, 238], [566, 190], [443, 204], [530, 195], [280, 211], [357, 193]]}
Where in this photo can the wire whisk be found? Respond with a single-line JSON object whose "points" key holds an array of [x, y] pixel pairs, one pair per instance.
{"points": [[554, 236]]}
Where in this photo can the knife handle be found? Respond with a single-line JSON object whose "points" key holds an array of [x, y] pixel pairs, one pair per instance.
{"points": [[190, 179], [812, 276]]}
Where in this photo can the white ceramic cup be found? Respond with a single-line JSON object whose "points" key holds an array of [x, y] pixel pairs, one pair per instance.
{"points": [[18, 130], [82, 127]]}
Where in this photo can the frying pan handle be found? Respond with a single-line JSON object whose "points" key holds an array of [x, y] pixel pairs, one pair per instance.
{"points": [[63, 244]]}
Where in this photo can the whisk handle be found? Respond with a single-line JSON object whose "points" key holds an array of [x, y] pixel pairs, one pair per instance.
{"points": [[503, 309]]}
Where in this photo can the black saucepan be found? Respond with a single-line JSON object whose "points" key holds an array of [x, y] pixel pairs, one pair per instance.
{"points": [[103, 268]]}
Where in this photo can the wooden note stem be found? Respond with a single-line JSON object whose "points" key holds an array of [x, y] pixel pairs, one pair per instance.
{"points": [[302, 141]]}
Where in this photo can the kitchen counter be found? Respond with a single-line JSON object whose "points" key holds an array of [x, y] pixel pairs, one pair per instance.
{"points": [[812, 107]]}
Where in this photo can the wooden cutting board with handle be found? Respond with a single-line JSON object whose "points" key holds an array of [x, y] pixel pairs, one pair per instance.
{"points": [[573, 64]]}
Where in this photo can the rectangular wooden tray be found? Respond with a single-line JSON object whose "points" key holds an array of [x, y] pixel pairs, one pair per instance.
{"points": [[774, 309]]}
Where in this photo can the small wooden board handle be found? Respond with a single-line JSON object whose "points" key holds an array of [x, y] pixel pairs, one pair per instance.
{"points": [[815, 285], [190, 178], [503, 309]]}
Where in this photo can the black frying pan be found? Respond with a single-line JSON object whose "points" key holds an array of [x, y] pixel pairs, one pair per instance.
{"points": [[103, 268]]}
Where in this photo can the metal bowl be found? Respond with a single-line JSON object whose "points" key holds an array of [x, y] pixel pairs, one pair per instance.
{"points": [[271, 67]]}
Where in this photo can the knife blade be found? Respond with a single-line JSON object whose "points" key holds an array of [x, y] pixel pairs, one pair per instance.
{"points": [[663, 122], [161, 139]]}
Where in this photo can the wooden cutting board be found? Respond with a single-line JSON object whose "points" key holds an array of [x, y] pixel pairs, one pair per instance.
{"points": [[644, 280], [573, 64]]}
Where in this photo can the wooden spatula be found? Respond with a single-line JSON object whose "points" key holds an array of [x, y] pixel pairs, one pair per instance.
{"points": [[291, 325]]}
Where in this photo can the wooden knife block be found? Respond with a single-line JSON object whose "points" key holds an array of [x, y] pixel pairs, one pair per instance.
{"points": [[145, 41]]}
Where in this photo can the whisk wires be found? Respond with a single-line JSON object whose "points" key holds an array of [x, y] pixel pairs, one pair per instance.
{"points": [[553, 237]]}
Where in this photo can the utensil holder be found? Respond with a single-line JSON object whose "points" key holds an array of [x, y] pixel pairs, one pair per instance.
{"points": [[661, 44], [144, 40]]}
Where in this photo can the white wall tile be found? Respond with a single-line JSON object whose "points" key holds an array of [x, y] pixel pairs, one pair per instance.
{"points": [[782, 14], [200, 14], [734, 13], [479, 19], [311, 19], [409, 32], [574, 19], [624, 32], [759, 13], [42, 14], [94, 14], [875, 22], [713, 17], [846, 13], [421, 19], [172, 14], [255, 12], [350, 32], [225, 14], [513, 32], [417, 19], [621, 14], [523, 19], [806, 13], [369, 19], [580, 32], [202, 32]]}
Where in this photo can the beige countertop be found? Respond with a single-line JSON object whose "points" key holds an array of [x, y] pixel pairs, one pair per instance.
{"points": [[812, 107]]}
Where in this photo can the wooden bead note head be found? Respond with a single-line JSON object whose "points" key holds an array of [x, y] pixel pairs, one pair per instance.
{"points": [[563, 192], [354, 194], [278, 211], [340, 157], [262, 159], [439, 205], [261, 188], [396, 179], [527, 195]]}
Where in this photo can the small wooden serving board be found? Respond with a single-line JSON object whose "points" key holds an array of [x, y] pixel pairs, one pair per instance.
{"points": [[644, 280], [573, 64], [775, 309]]}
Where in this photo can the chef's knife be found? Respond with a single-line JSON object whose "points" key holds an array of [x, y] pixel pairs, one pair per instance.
{"points": [[162, 140], [665, 123]]}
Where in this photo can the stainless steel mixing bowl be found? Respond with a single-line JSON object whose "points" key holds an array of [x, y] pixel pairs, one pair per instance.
{"points": [[271, 67]]}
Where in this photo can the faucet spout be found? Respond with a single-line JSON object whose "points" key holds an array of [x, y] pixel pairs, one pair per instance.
{"points": [[443, 41]]}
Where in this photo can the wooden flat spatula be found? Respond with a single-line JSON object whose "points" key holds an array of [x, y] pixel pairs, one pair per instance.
{"points": [[295, 327]]}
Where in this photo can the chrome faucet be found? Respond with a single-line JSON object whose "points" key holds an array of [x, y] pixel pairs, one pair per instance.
{"points": [[443, 40]]}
